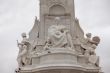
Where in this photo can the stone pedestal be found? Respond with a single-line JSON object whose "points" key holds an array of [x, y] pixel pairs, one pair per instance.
{"points": [[59, 60]]}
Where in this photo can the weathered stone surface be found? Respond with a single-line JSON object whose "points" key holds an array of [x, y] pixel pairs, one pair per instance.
{"points": [[56, 43]]}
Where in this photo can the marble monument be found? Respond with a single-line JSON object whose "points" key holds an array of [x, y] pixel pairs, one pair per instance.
{"points": [[56, 43]]}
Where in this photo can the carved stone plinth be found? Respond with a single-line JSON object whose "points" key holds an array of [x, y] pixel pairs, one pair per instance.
{"points": [[60, 60]]}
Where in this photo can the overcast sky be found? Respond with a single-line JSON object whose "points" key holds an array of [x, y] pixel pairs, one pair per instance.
{"points": [[17, 16]]}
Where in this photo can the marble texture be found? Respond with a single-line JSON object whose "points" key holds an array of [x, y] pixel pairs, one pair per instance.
{"points": [[56, 43]]}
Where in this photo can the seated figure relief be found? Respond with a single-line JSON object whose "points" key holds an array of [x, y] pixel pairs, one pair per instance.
{"points": [[58, 37]]}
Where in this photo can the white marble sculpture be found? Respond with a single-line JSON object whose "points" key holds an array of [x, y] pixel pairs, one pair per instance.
{"points": [[23, 56], [89, 49], [56, 43], [58, 37], [87, 42]]}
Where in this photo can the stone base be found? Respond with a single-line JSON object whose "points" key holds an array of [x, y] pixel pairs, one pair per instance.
{"points": [[59, 60], [55, 56], [59, 69]]}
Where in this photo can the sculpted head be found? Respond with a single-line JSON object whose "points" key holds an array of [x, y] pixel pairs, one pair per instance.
{"points": [[23, 35], [96, 39], [88, 35], [63, 29]]}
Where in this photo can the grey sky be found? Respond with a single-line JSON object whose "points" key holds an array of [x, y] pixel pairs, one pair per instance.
{"points": [[17, 16]]}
